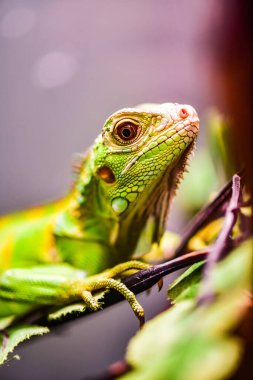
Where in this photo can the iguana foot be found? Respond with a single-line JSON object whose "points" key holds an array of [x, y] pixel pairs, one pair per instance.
{"points": [[85, 287]]}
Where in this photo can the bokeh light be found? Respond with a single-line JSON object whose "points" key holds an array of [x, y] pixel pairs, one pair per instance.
{"points": [[54, 69]]}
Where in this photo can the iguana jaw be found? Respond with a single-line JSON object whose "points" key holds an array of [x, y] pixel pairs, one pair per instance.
{"points": [[154, 203]]}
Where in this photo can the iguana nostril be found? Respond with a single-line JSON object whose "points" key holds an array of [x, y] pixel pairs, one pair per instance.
{"points": [[183, 113]]}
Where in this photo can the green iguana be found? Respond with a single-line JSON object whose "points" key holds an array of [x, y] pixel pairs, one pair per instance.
{"points": [[54, 254]]}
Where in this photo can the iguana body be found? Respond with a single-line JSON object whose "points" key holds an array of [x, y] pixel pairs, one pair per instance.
{"points": [[124, 187]]}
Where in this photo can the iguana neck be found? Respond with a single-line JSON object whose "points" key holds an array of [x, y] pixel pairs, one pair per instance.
{"points": [[87, 214], [146, 222]]}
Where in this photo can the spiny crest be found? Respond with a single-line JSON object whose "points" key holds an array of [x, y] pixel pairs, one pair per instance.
{"points": [[78, 162]]}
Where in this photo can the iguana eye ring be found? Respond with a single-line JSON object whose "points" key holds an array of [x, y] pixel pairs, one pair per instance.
{"points": [[127, 130]]}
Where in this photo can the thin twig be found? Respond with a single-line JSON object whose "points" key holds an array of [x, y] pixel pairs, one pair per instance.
{"points": [[116, 370], [146, 278], [220, 245]]}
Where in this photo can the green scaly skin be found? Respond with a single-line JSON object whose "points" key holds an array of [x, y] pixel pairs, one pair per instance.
{"points": [[118, 207]]}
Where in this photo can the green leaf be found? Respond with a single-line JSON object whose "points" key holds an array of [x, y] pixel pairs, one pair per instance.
{"points": [[11, 337], [185, 343], [196, 187], [225, 276], [76, 308], [186, 286], [219, 141], [192, 341]]}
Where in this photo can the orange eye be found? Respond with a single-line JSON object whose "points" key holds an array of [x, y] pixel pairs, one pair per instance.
{"points": [[127, 131]]}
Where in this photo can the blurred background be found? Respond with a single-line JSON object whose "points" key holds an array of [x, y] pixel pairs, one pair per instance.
{"points": [[66, 65]]}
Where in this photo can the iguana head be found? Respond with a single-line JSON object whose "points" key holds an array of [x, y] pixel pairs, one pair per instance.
{"points": [[139, 159]]}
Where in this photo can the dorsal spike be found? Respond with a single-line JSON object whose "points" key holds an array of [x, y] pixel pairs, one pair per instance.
{"points": [[78, 162]]}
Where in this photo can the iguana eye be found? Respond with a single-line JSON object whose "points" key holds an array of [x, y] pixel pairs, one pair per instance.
{"points": [[127, 131]]}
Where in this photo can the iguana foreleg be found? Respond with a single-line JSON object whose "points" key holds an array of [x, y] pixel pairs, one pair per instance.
{"points": [[60, 284]]}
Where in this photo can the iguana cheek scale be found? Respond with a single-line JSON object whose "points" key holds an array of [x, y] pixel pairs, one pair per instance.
{"points": [[117, 208]]}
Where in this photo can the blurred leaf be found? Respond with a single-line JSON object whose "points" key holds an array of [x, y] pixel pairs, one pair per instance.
{"points": [[206, 235], [211, 165], [186, 285], [191, 341], [196, 187], [6, 321], [219, 141], [10, 338], [165, 249], [179, 345], [226, 275]]}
